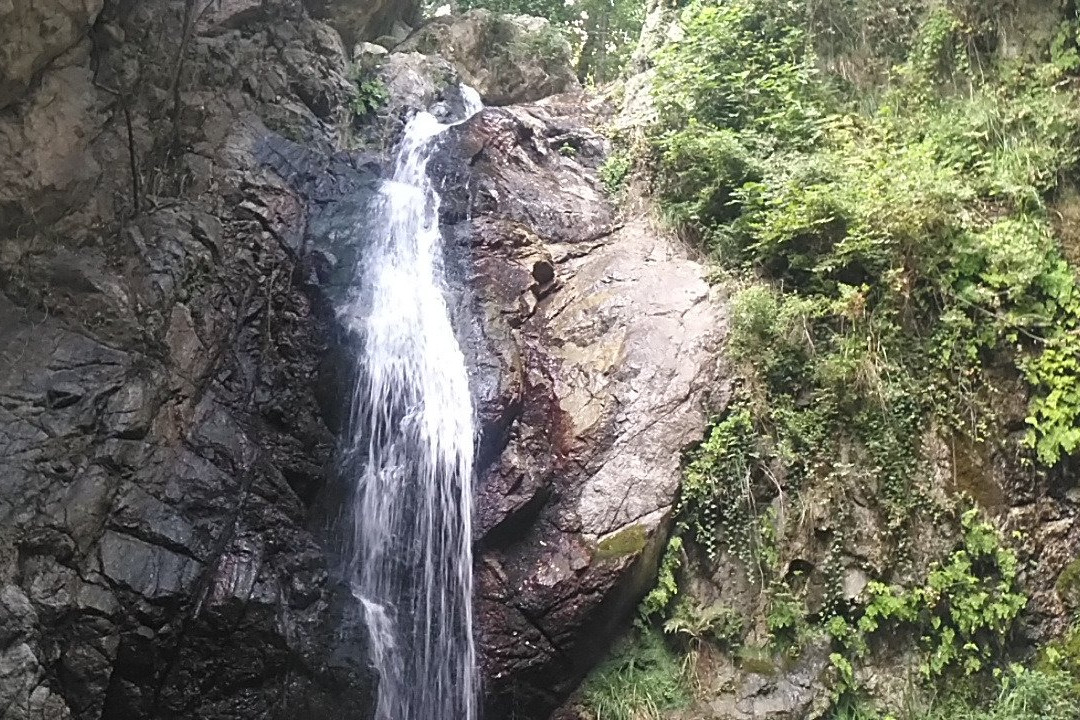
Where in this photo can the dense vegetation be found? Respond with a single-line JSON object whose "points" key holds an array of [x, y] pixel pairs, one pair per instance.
{"points": [[883, 186]]}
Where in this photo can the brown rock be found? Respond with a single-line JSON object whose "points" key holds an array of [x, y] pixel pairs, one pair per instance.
{"points": [[604, 338]]}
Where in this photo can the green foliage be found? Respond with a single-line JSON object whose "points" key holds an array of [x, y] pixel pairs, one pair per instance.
{"points": [[1026, 695], [718, 623], [893, 255], [1018, 694], [610, 29], [786, 617], [550, 45], [742, 65], [642, 678], [902, 250], [736, 88], [716, 505], [615, 170], [370, 95], [556, 11], [1063, 656], [606, 31], [659, 598], [965, 609]]}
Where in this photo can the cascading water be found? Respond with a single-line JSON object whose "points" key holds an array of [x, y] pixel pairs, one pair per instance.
{"points": [[409, 559]]}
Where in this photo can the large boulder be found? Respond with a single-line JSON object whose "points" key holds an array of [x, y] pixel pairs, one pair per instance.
{"points": [[33, 34], [506, 58], [594, 347]]}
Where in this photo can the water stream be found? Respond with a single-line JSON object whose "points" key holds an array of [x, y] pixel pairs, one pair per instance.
{"points": [[408, 556]]}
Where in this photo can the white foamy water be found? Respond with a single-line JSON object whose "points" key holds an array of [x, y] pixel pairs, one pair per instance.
{"points": [[408, 556]]}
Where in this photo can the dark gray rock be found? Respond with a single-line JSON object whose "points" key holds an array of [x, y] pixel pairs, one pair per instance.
{"points": [[366, 20], [161, 441]]}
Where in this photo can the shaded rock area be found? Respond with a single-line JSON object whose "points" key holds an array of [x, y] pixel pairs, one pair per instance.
{"points": [[507, 59], [595, 344], [162, 322], [367, 19]]}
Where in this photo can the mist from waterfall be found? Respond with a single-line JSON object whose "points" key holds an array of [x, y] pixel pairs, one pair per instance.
{"points": [[407, 545]]}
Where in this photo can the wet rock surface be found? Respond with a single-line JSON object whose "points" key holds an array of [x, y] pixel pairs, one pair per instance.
{"points": [[163, 317], [595, 344]]}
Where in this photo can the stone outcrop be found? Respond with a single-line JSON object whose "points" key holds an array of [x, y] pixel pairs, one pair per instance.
{"points": [[33, 34], [367, 19], [508, 59], [595, 344], [162, 325]]}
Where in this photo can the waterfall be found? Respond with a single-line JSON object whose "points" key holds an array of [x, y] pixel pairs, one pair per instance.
{"points": [[407, 550]]}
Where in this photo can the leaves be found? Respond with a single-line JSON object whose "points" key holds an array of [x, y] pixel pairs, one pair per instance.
{"points": [[964, 609]]}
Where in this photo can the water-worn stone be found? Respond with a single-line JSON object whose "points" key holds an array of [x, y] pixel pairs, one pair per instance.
{"points": [[595, 345]]}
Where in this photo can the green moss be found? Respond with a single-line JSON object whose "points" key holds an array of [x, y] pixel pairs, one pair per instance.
{"points": [[757, 660], [1068, 584], [628, 541]]}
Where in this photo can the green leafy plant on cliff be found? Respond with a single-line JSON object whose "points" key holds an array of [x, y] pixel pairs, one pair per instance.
{"points": [[893, 253], [370, 95], [657, 602], [715, 504], [966, 608], [961, 617], [907, 239], [613, 173]]}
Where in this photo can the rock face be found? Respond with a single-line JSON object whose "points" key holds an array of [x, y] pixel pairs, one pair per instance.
{"points": [[33, 34], [174, 220], [365, 20], [161, 332], [507, 59], [595, 344]]}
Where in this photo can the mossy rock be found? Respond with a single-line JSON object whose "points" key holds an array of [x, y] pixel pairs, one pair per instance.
{"points": [[1068, 584], [757, 661], [628, 541]]}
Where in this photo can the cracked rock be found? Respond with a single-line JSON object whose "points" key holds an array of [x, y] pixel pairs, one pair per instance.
{"points": [[596, 344]]}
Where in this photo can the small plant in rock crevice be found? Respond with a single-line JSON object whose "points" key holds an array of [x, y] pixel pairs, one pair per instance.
{"points": [[370, 95], [615, 171]]}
